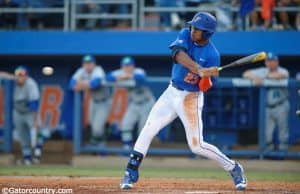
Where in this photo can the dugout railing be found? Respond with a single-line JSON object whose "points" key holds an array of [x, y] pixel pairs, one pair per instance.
{"points": [[227, 87], [43, 10], [132, 15], [235, 84]]}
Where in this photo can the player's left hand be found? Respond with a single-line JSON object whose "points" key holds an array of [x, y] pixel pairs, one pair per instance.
{"points": [[208, 72]]}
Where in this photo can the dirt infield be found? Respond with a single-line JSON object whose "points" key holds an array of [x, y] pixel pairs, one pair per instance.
{"points": [[146, 185]]}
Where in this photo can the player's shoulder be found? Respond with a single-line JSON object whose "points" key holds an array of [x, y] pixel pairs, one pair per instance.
{"points": [[139, 70], [80, 70], [260, 71], [212, 50], [30, 82], [282, 69], [184, 34], [99, 68], [117, 72], [185, 31]]}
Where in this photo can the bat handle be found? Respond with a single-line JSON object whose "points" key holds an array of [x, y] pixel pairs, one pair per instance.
{"points": [[220, 68]]}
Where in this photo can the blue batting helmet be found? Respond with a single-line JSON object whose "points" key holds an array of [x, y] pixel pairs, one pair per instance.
{"points": [[206, 22], [127, 61]]}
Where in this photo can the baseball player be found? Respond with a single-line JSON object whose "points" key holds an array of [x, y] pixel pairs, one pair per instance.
{"points": [[90, 77], [277, 104], [195, 59], [26, 97], [141, 99]]}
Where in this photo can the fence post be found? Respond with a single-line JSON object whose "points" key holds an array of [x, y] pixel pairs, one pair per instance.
{"points": [[66, 15], [142, 15], [7, 116], [134, 15], [262, 120], [73, 15], [77, 123]]}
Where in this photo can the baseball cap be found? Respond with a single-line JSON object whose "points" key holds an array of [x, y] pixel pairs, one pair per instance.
{"points": [[21, 70], [88, 58], [127, 61], [271, 56]]}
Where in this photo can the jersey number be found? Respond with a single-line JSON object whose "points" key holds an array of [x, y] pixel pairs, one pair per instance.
{"points": [[191, 78]]}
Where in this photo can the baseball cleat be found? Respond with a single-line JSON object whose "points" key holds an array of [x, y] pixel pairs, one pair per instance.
{"points": [[126, 183], [239, 177]]}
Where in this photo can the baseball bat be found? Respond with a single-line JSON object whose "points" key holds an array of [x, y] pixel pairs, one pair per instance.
{"points": [[245, 60]]}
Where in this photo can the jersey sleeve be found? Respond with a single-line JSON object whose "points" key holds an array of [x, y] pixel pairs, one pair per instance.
{"points": [[112, 76], [34, 93], [214, 60], [139, 76], [76, 76], [259, 72], [97, 76], [284, 71], [181, 40]]}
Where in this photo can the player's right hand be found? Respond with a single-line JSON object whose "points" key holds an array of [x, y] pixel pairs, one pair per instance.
{"points": [[208, 72]]}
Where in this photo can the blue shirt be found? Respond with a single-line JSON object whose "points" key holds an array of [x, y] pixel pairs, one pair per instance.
{"points": [[205, 56]]}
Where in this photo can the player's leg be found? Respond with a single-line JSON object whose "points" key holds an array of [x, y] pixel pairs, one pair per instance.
{"points": [[127, 125], [100, 111], [282, 117], [269, 129], [160, 115], [144, 111], [23, 130], [190, 113]]}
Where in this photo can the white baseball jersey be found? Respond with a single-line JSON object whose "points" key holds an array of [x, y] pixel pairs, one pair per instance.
{"points": [[99, 93], [137, 93], [24, 94], [275, 95]]}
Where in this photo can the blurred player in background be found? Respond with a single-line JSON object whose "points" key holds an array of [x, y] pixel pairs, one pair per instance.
{"points": [[277, 104], [195, 61], [141, 99], [26, 97], [90, 77]]}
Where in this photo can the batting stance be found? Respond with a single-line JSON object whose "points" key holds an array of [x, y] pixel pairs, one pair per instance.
{"points": [[277, 104], [193, 54], [26, 97], [90, 77], [141, 99]]}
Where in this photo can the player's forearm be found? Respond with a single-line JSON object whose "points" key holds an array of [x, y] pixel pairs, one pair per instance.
{"points": [[183, 59], [277, 76], [249, 75], [82, 85]]}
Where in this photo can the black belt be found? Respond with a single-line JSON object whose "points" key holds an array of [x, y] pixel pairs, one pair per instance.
{"points": [[175, 86], [181, 89]]}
